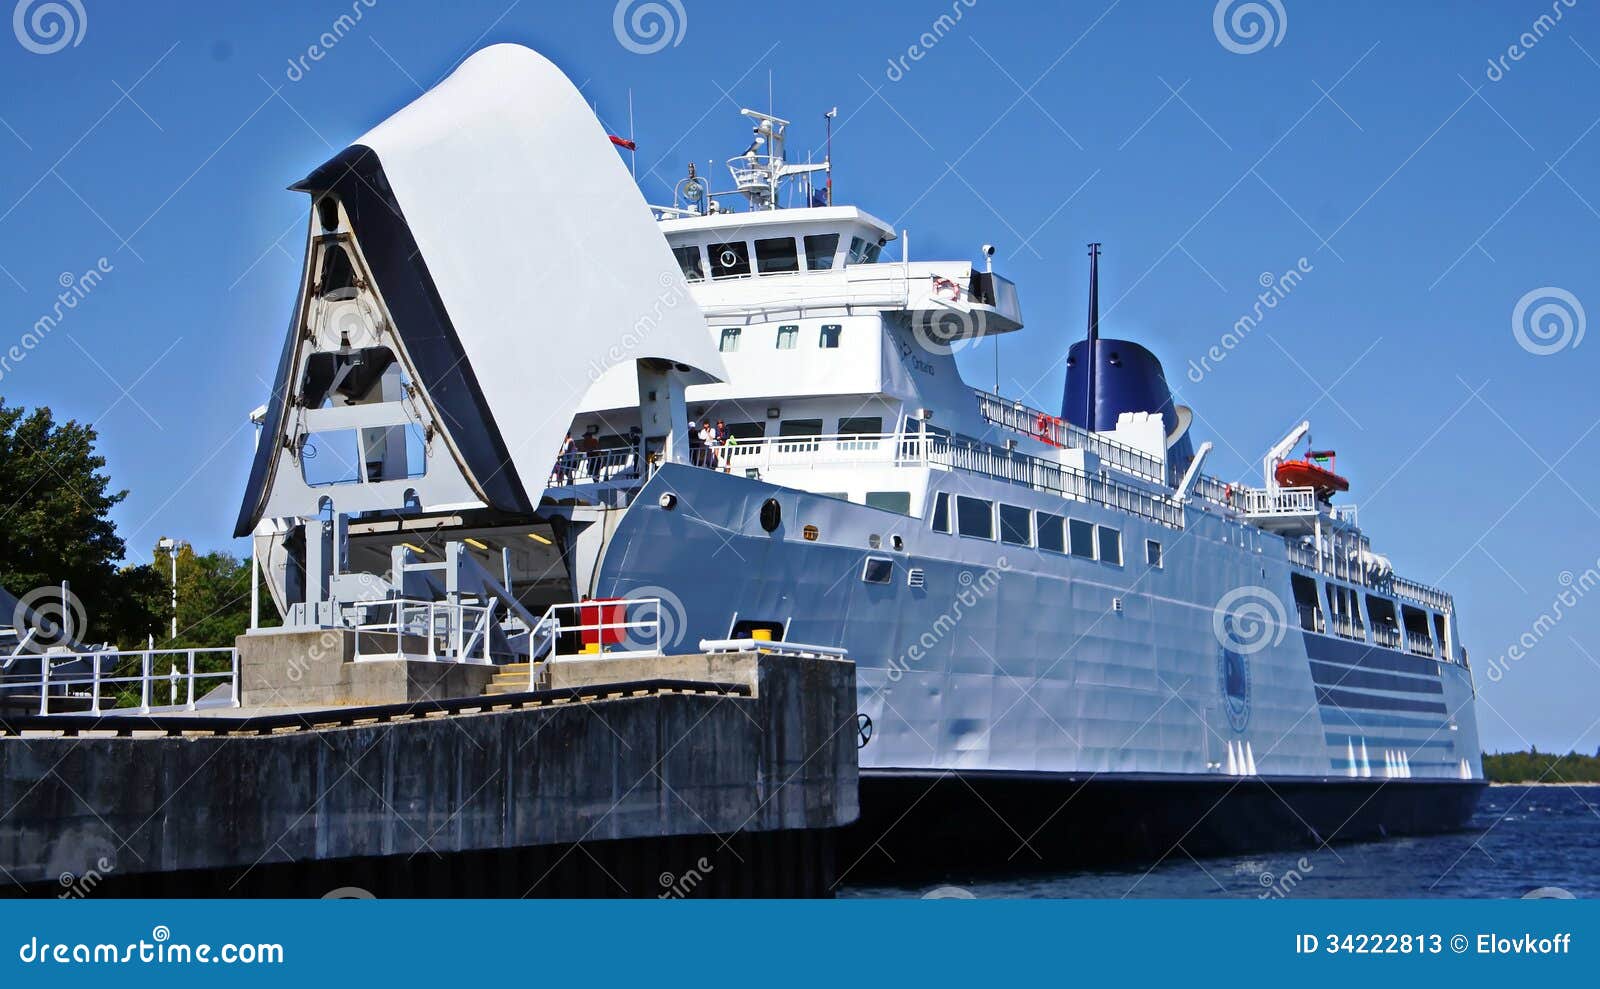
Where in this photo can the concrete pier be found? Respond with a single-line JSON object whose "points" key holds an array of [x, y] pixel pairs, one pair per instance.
{"points": [[670, 776]]}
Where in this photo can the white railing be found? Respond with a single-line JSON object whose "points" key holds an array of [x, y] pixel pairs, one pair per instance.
{"points": [[1422, 594], [600, 467], [612, 628], [1386, 635], [771, 646], [1050, 429], [1280, 501], [451, 632], [1347, 627], [174, 686], [1419, 643]]}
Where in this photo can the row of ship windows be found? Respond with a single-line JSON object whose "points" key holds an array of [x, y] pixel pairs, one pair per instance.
{"points": [[980, 518], [788, 337], [771, 256]]}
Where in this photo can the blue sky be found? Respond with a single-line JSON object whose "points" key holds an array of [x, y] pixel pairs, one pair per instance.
{"points": [[1427, 193]]}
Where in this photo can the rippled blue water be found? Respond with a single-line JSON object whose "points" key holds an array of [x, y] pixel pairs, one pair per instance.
{"points": [[1521, 839]]}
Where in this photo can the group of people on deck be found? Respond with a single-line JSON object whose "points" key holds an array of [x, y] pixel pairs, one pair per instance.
{"points": [[709, 445]]}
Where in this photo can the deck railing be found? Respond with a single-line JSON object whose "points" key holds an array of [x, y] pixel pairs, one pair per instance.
{"points": [[1040, 425], [164, 678]]}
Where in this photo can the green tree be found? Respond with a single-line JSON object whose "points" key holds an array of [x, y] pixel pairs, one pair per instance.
{"points": [[55, 525]]}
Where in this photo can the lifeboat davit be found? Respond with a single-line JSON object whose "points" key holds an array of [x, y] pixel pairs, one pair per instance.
{"points": [[1309, 473]]}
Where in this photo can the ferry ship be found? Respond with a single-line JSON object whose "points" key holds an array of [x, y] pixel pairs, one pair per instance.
{"points": [[1071, 641]]}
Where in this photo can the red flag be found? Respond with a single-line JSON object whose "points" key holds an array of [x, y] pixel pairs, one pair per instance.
{"points": [[622, 142]]}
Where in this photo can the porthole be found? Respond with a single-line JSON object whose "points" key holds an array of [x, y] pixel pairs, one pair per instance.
{"points": [[771, 515]]}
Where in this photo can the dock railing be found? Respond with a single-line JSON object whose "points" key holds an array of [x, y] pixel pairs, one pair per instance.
{"points": [[163, 678], [606, 628], [450, 632]]}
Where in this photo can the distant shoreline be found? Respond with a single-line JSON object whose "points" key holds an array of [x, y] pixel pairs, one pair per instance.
{"points": [[1545, 783]]}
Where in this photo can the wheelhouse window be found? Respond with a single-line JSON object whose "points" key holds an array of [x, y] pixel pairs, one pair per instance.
{"points": [[788, 337], [863, 251], [975, 517], [1110, 545], [729, 260], [747, 431], [898, 502], [829, 339], [1051, 531], [691, 263], [1015, 526], [776, 256], [939, 521], [1082, 538], [730, 340], [820, 249]]}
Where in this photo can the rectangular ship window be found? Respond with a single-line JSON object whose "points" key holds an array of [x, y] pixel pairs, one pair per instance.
{"points": [[1014, 527], [898, 502], [829, 338], [788, 336], [730, 340], [730, 259], [1082, 538], [861, 425], [1152, 553], [1052, 532], [940, 520], [691, 263], [776, 256], [1110, 545], [820, 249], [975, 517], [877, 570]]}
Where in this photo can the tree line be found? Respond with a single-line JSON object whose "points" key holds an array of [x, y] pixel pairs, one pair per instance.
{"points": [[55, 525], [1534, 766]]}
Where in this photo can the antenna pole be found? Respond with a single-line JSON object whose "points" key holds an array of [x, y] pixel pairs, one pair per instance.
{"points": [[1094, 333], [633, 152], [828, 155]]}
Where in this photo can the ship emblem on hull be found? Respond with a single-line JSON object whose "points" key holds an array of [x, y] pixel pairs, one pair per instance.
{"points": [[1233, 679]]}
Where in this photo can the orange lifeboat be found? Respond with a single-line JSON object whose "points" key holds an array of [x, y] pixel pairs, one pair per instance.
{"points": [[1310, 473]]}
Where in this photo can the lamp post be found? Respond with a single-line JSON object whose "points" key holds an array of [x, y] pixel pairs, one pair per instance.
{"points": [[171, 546]]}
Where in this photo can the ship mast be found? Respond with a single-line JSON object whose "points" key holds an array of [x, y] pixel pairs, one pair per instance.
{"points": [[1094, 333]]}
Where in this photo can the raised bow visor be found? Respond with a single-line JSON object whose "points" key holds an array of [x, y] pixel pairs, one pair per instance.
{"points": [[473, 264]]}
